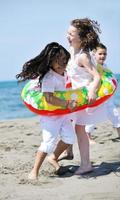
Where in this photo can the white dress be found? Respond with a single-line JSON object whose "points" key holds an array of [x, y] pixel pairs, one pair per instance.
{"points": [[80, 77]]}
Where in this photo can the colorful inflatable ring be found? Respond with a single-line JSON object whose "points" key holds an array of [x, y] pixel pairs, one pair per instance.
{"points": [[35, 100]]}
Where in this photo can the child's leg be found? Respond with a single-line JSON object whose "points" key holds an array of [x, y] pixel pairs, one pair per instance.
{"points": [[49, 135], [113, 115], [53, 158], [67, 136], [83, 144], [89, 129], [118, 131], [69, 151], [67, 154], [40, 156]]}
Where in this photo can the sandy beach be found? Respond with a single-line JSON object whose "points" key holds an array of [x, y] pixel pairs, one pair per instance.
{"points": [[19, 140]]}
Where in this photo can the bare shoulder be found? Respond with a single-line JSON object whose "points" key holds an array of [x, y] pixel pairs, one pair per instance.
{"points": [[84, 55], [84, 58]]}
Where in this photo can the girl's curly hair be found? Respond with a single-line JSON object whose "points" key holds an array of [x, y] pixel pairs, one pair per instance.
{"points": [[88, 31]]}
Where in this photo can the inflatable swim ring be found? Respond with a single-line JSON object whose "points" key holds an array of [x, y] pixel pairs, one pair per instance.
{"points": [[35, 100]]}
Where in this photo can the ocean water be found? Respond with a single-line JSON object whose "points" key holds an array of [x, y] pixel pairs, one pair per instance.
{"points": [[11, 105]]}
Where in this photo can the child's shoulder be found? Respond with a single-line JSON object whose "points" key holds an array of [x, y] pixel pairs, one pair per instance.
{"points": [[48, 76], [83, 55]]}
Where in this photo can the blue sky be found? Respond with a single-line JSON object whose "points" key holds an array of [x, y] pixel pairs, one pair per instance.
{"points": [[26, 26]]}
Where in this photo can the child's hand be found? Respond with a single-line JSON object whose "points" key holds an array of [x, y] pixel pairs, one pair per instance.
{"points": [[71, 104], [91, 97]]}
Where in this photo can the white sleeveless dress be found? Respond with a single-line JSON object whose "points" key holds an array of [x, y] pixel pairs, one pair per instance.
{"points": [[80, 77]]}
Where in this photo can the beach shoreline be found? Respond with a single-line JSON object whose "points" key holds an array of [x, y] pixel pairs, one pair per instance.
{"points": [[20, 139]]}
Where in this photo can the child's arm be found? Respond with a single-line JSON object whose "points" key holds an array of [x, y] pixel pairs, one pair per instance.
{"points": [[85, 61], [59, 102]]}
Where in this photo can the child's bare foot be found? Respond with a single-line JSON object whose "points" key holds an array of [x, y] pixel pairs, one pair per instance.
{"points": [[82, 171], [52, 160], [32, 175], [59, 170]]}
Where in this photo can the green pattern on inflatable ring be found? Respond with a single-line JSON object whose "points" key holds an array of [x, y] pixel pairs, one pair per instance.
{"points": [[107, 87]]}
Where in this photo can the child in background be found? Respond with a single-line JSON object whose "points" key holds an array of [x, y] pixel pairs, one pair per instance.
{"points": [[113, 115], [49, 67]]}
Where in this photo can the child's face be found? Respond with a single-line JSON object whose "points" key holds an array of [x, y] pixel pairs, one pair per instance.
{"points": [[59, 67], [100, 55], [73, 37]]}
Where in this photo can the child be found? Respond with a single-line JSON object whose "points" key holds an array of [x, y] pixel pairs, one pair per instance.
{"points": [[83, 37], [99, 55], [49, 66]]}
